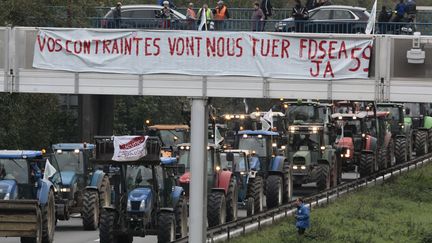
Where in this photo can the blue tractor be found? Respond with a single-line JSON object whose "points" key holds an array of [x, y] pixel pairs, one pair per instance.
{"points": [[245, 167], [84, 189], [27, 199], [146, 200], [275, 170]]}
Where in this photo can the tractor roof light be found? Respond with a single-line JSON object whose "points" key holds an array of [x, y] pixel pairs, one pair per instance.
{"points": [[43, 151], [218, 168], [322, 147], [76, 151], [242, 117], [286, 106], [187, 147], [274, 145], [237, 116], [227, 117], [208, 147], [363, 135], [260, 136], [340, 117], [314, 129], [303, 167], [283, 147], [354, 118], [245, 135], [59, 151], [182, 147], [241, 128]]}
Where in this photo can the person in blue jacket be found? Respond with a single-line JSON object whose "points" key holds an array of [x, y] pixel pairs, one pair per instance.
{"points": [[302, 216]]}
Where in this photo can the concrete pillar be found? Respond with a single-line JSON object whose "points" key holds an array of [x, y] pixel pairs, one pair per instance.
{"points": [[198, 160], [96, 116]]}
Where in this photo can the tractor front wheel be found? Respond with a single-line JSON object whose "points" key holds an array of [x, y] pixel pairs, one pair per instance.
{"points": [[181, 216], [321, 174], [274, 189], [166, 227], [421, 143], [288, 182], [48, 219], [90, 212], [231, 198], [106, 229], [216, 212], [38, 238], [366, 164], [400, 149], [256, 191]]}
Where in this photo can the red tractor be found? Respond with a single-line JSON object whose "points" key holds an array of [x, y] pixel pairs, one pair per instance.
{"points": [[364, 143], [222, 185]]}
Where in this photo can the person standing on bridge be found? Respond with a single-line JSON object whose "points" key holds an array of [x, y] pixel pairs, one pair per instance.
{"points": [[302, 216], [191, 16], [205, 17], [257, 18], [267, 9], [220, 15], [117, 15]]}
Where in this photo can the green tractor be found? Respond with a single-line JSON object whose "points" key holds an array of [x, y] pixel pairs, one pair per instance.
{"points": [[421, 124], [400, 127]]}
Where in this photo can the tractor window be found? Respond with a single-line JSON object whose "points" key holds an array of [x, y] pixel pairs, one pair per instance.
{"points": [[394, 112], [171, 137], [139, 176], [14, 169], [70, 161], [254, 143], [302, 113], [311, 141], [239, 162], [184, 158]]}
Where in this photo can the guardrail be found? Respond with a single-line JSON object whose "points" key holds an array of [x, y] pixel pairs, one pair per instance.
{"points": [[336, 27], [245, 225]]}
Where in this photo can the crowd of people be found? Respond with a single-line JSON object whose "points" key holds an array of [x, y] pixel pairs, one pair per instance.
{"points": [[206, 18]]}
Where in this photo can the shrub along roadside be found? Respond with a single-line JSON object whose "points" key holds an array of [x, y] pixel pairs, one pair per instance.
{"points": [[400, 210]]}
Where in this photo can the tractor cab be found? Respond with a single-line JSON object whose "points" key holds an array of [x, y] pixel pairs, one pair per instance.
{"points": [[170, 136], [306, 112], [396, 117], [19, 171]]}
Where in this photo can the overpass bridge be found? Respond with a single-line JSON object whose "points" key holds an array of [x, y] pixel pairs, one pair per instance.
{"points": [[390, 78]]}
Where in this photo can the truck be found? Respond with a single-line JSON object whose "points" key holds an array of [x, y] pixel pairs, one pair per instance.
{"points": [[84, 188], [222, 185], [27, 198], [146, 200]]}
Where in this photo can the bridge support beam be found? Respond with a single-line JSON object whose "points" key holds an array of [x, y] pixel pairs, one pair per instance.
{"points": [[96, 116], [198, 164]]}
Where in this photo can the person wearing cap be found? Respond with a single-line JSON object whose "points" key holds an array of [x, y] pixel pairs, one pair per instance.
{"points": [[117, 15], [220, 14], [205, 17], [191, 16], [166, 14], [257, 18]]}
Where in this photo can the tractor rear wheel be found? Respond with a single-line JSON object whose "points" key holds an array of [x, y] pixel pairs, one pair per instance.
{"points": [[429, 141], [382, 158], [400, 150], [166, 227], [288, 182], [105, 193], [90, 212], [274, 197], [321, 174], [334, 174], [231, 200], [421, 143], [256, 191], [216, 212], [48, 219], [366, 164], [106, 229], [181, 211]]}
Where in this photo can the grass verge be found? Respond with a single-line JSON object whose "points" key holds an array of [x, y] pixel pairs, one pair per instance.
{"points": [[400, 210]]}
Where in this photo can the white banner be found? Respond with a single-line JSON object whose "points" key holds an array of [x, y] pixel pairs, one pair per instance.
{"points": [[129, 148], [272, 55]]}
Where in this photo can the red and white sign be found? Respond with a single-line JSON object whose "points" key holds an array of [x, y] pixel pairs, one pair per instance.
{"points": [[271, 55], [129, 148]]}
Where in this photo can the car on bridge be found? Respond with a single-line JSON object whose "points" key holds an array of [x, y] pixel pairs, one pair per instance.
{"points": [[143, 16], [328, 19]]}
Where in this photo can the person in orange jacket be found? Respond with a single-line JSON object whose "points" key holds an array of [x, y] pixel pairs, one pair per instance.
{"points": [[220, 14]]}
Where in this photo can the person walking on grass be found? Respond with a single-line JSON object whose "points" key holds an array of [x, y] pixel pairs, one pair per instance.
{"points": [[302, 216]]}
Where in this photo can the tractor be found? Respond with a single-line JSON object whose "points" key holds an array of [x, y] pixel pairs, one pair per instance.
{"points": [[146, 200], [83, 188], [27, 199], [245, 166], [313, 156], [419, 115], [275, 170], [363, 142], [222, 185], [170, 136], [400, 127]]}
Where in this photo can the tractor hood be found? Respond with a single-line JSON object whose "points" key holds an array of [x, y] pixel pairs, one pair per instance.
{"points": [[8, 190], [185, 178], [345, 142], [68, 178], [139, 199], [302, 157]]}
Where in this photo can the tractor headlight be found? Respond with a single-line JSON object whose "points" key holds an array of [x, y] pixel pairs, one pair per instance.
{"points": [[295, 167], [363, 135], [142, 205], [218, 168], [7, 196], [303, 167], [242, 117], [59, 151], [65, 189], [348, 153], [314, 129], [283, 147], [76, 151], [129, 205], [322, 147], [274, 145]]}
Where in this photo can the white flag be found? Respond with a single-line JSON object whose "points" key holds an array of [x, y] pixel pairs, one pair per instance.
{"points": [[129, 148], [218, 136], [49, 170], [203, 19], [370, 28], [269, 117], [265, 126]]}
